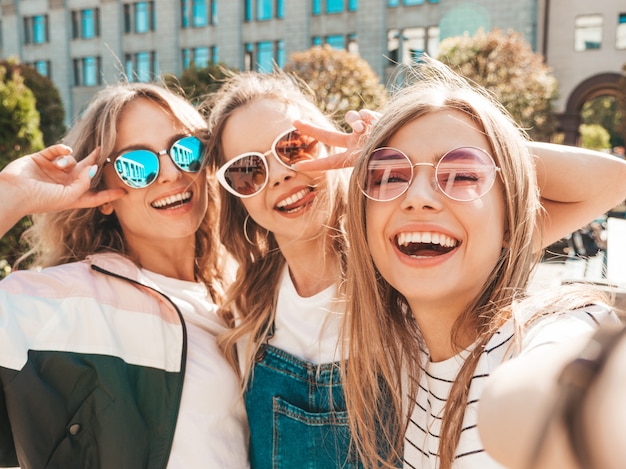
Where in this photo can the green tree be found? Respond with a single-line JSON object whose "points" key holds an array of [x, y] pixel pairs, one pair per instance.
{"points": [[48, 100], [604, 111], [19, 134], [505, 64], [342, 81], [594, 137], [197, 83], [620, 105]]}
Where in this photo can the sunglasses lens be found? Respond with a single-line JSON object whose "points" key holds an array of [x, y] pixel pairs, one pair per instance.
{"points": [[388, 174], [137, 168], [466, 174], [188, 153], [294, 147], [247, 175]]}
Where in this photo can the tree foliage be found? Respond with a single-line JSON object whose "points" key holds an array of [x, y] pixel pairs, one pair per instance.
{"points": [[604, 111], [197, 83], [620, 106], [48, 100], [505, 64], [19, 118], [594, 137], [19, 134], [342, 81]]}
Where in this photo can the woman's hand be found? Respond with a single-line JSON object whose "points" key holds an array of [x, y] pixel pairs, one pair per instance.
{"points": [[48, 181], [359, 121]]}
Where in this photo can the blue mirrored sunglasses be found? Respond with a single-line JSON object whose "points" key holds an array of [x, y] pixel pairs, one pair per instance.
{"points": [[139, 168]]}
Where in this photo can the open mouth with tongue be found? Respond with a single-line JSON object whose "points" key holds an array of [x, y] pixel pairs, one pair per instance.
{"points": [[172, 201], [296, 201], [425, 243]]}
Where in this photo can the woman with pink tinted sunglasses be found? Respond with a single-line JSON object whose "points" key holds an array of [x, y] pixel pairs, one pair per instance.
{"points": [[445, 224]]}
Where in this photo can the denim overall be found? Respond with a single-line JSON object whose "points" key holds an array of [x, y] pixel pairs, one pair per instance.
{"points": [[297, 416]]}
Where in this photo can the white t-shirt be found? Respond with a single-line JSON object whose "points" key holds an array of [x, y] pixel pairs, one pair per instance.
{"points": [[212, 429], [422, 438], [308, 327]]}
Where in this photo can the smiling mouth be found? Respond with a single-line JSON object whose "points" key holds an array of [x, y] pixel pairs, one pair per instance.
{"points": [[172, 201], [425, 243], [292, 203]]}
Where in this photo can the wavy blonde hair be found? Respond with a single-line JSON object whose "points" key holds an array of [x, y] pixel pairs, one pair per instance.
{"points": [[253, 294], [385, 342], [72, 235]]}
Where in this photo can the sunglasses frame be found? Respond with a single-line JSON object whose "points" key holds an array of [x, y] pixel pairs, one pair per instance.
{"points": [[221, 172], [436, 184], [158, 156]]}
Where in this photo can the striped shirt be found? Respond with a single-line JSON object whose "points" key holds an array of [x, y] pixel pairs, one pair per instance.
{"points": [[422, 438]]}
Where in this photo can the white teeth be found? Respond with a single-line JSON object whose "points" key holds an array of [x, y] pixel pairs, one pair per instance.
{"points": [[172, 199], [426, 237], [292, 199]]}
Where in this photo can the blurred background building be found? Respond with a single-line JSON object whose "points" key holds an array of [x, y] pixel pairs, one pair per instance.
{"points": [[84, 44]]}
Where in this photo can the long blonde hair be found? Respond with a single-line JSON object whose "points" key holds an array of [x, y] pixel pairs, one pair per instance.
{"points": [[72, 235], [385, 342], [253, 293]]}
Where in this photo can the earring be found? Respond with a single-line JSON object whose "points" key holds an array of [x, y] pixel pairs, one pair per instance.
{"points": [[245, 230]]}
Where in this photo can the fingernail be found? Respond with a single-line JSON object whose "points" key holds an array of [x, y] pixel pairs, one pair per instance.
{"points": [[358, 127], [61, 162], [92, 171]]}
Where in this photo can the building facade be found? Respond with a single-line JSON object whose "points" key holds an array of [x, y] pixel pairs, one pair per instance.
{"points": [[84, 44]]}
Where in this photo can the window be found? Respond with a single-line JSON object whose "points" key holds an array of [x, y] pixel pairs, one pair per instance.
{"points": [[334, 6], [87, 71], [198, 13], [142, 21], [408, 45], [42, 67], [248, 11], [317, 7], [432, 41], [141, 66], [395, 3], [86, 23], [414, 41], [263, 55], [280, 53], [393, 45], [280, 9], [588, 32], [264, 10], [139, 17], [620, 34], [336, 41], [199, 57], [36, 29]]}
